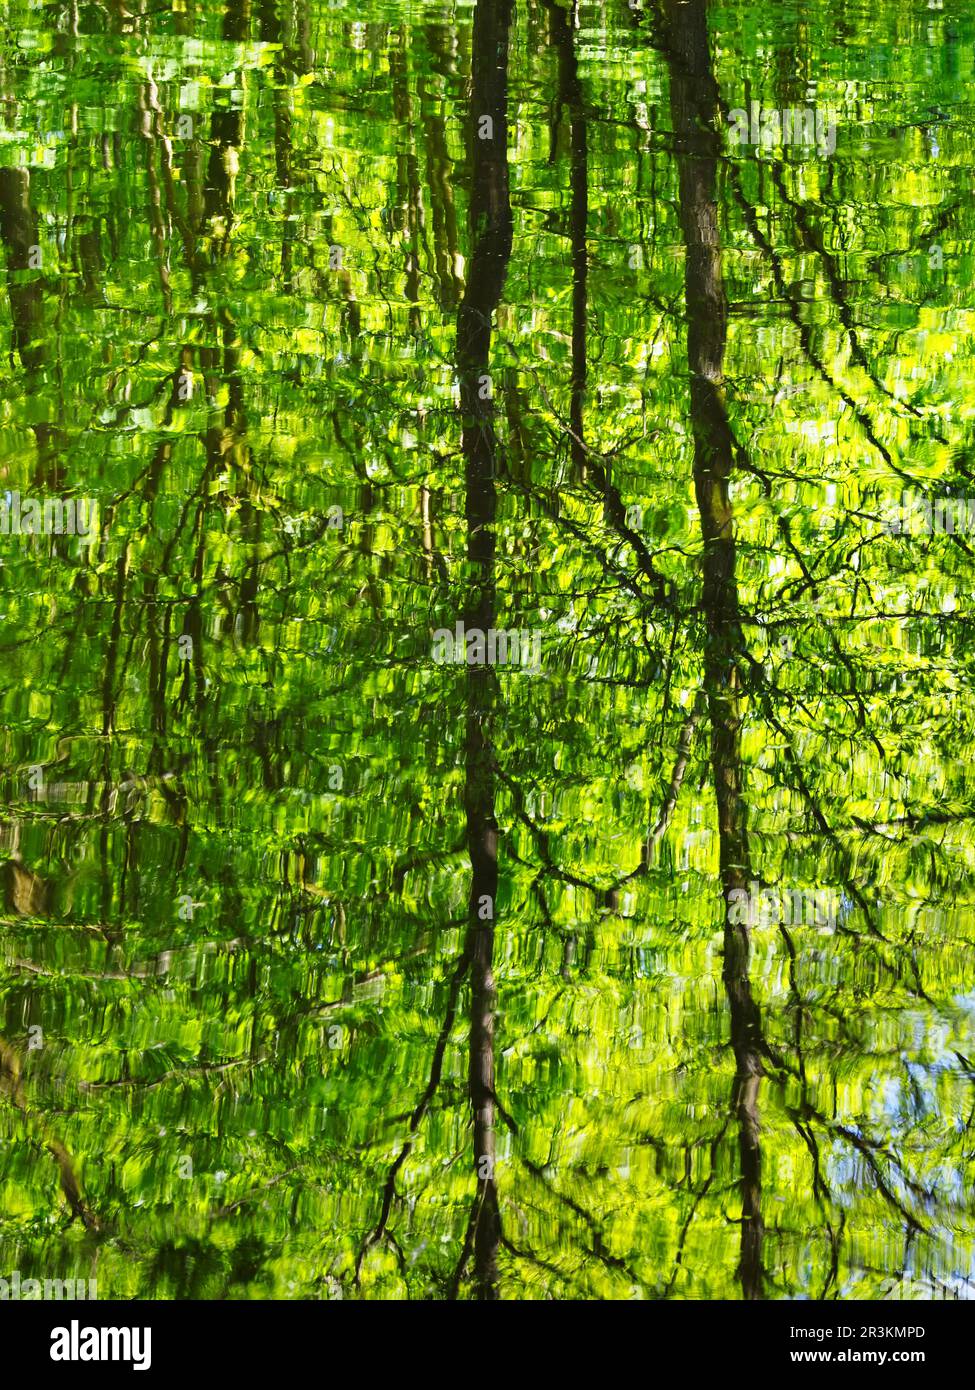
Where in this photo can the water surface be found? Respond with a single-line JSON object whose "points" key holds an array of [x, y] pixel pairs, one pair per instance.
{"points": [[332, 970]]}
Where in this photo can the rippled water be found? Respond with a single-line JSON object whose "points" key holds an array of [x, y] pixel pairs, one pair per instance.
{"points": [[330, 968]]}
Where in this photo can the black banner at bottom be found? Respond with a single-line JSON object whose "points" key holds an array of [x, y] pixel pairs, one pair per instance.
{"points": [[68, 1339]]}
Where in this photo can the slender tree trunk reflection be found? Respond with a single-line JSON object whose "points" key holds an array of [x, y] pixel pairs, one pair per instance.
{"points": [[693, 102], [25, 288], [490, 221]]}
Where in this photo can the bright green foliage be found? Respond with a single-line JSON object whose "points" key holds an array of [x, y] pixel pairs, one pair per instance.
{"points": [[236, 894]]}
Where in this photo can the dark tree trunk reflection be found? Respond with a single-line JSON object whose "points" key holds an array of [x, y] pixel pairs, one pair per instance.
{"points": [[693, 101], [25, 288], [490, 221]]}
